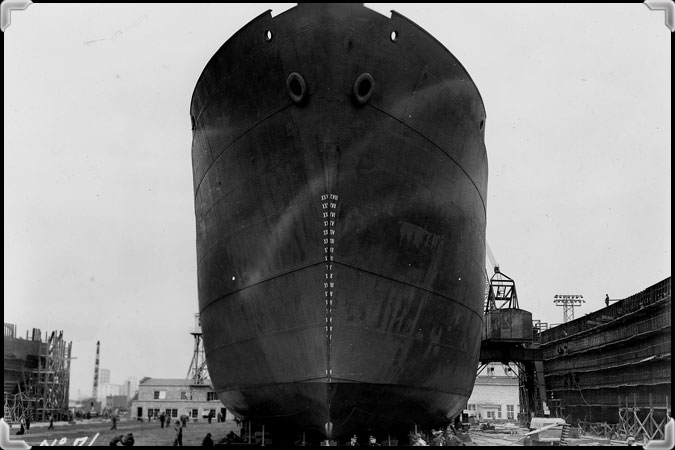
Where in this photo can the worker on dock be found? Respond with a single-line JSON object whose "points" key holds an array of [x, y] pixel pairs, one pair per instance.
{"points": [[22, 426], [51, 422], [436, 439], [114, 422], [179, 434], [353, 442], [207, 441], [607, 299], [128, 440], [417, 440]]}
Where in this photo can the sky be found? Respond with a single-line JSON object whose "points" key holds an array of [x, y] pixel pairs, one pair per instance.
{"points": [[99, 225]]}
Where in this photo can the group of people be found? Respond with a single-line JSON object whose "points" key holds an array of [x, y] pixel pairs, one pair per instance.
{"points": [[24, 425], [447, 437], [439, 438], [126, 440], [354, 441], [178, 441]]}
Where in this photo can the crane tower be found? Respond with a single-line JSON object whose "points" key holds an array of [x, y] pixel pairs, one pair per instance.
{"points": [[198, 372]]}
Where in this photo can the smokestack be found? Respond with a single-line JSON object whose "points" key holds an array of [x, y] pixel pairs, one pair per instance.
{"points": [[94, 393]]}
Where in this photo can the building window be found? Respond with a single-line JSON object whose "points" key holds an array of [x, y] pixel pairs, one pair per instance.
{"points": [[211, 396], [490, 414], [195, 413], [171, 412], [499, 413], [183, 395], [510, 412], [159, 395]]}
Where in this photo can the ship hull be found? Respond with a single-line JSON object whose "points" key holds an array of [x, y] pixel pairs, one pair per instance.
{"points": [[340, 242]]}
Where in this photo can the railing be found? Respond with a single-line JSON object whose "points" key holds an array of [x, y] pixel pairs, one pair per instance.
{"points": [[611, 398], [649, 296], [656, 373], [584, 343], [618, 356]]}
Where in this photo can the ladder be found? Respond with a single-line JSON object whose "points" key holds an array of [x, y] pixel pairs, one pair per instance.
{"points": [[565, 434], [9, 417]]}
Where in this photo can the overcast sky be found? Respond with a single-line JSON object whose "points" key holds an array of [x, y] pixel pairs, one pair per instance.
{"points": [[99, 214]]}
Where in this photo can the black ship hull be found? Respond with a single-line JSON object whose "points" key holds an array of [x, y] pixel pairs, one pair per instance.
{"points": [[340, 182]]}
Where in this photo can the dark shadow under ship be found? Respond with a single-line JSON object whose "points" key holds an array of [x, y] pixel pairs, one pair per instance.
{"points": [[340, 180]]}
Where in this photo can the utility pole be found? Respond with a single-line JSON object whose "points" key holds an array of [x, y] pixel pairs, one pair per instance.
{"points": [[568, 302]]}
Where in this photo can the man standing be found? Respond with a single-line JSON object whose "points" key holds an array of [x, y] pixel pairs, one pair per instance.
{"points": [[179, 434], [51, 422], [161, 420], [207, 442], [418, 441], [114, 422]]}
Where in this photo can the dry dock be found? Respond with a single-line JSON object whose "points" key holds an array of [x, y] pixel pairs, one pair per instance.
{"points": [[610, 371]]}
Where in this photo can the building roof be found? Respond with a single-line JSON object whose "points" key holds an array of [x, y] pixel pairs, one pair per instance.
{"points": [[169, 382]]}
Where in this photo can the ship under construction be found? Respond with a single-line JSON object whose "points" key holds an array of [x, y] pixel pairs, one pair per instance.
{"points": [[36, 375], [340, 182]]}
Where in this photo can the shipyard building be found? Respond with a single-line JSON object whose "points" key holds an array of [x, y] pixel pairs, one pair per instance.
{"points": [[176, 397], [495, 394]]}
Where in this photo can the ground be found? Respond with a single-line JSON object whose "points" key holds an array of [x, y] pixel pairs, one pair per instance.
{"points": [[150, 434], [145, 433]]}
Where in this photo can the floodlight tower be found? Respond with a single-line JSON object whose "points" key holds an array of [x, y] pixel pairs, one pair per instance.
{"points": [[568, 302]]}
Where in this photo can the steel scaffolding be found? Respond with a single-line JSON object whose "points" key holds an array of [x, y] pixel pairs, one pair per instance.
{"points": [[37, 383]]}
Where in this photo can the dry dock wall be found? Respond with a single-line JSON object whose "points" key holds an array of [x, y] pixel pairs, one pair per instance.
{"points": [[615, 357]]}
